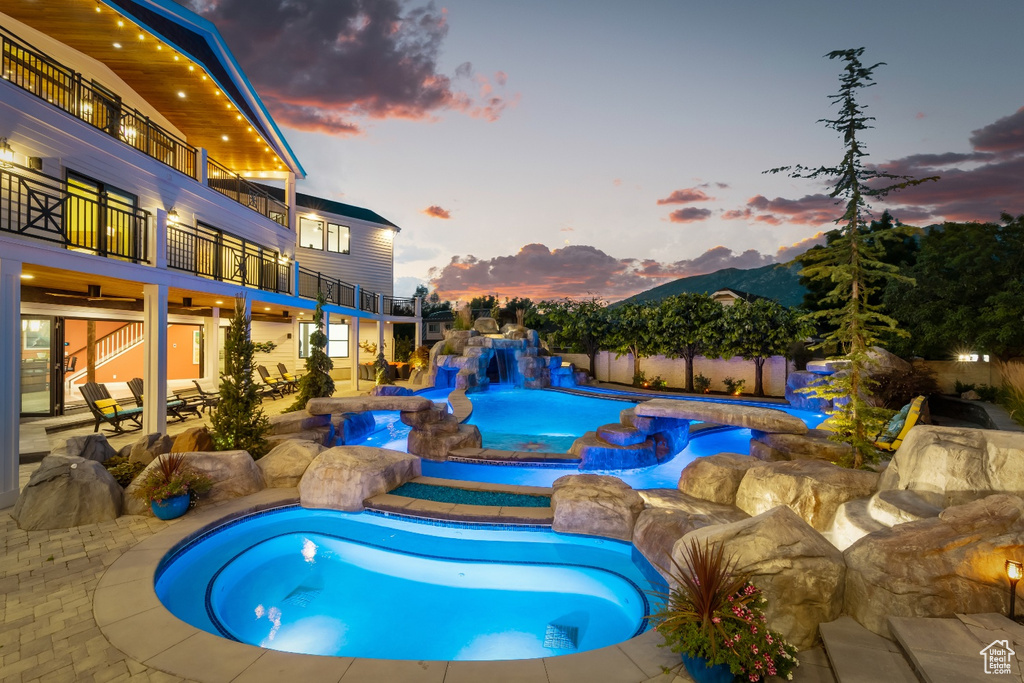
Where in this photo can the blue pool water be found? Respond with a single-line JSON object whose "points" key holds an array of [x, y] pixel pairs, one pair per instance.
{"points": [[362, 585]]}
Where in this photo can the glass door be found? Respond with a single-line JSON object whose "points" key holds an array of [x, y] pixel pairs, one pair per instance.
{"points": [[42, 366]]}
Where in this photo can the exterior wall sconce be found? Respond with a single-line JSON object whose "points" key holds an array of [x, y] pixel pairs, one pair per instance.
{"points": [[1014, 572], [172, 215], [6, 153]]}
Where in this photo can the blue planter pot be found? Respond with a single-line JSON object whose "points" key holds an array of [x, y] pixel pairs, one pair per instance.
{"points": [[699, 670], [170, 508]]}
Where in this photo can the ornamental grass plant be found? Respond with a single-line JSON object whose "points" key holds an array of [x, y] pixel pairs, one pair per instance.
{"points": [[713, 613], [172, 476]]}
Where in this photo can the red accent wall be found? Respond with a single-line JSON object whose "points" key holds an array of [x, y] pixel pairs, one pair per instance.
{"points": [[128, 365]]}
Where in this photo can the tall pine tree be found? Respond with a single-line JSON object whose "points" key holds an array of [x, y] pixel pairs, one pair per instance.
{"points": [[317, 382], [238, 420], [852, 262]]}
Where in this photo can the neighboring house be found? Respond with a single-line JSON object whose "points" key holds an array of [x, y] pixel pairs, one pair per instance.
{"points": [[130, 220], [727, 297], [436, 325]]}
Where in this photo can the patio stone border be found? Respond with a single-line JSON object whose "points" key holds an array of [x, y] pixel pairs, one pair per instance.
{"points": [[132, 618]]}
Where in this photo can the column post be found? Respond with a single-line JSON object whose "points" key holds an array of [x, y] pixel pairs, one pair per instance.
{"points": [[154, 369], [211, 333], [10, 377], [419, 322]]}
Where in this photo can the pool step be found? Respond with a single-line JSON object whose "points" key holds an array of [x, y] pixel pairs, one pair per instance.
{"points": [[462, 512]]}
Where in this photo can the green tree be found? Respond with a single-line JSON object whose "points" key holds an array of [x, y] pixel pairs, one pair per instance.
{"points": [[431, 301], [634, 332], [852, 263], [238, 420], [970, 291], [317, 381], [578, 325], [758, 330], [690, 326]]}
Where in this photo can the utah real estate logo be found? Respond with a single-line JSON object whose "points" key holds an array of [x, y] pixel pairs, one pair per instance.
{"points": [[997, 657]]}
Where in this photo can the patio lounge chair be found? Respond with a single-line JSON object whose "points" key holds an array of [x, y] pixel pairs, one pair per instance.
{"points": [[106, 409], [176, 407], [206, 399], [890, 438], [290, 379], [274, 387]]}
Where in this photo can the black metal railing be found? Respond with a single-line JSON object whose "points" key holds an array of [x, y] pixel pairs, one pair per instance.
{"points": [[400, 306], [337, 292], [66, 89], [234, 186], [218, 255], [368, 301], [41, 207]]}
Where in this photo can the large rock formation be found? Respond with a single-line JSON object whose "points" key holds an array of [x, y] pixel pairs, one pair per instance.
{"points": [[632, 442], [298, 421], [193, 440], [953, 465], [802, 574], [285, 464], [595, 505], [342, 478], [234, 474], [814, 445], [66, 491], [91, 447], [149, 447], [811, 488], [486, 326], [751, 417], [434, 444], [937, 567], [716, 477], [358, 404], [796, 384]]}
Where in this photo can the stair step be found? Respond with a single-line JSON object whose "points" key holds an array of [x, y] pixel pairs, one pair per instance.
{"points": [[859, 656], [941, 650], [621, 435], [892, 507], [852, 522]]}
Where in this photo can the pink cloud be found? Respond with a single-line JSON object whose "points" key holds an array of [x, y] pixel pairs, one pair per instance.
{"points": [[689, 215], [690, 194], [436, 211]]}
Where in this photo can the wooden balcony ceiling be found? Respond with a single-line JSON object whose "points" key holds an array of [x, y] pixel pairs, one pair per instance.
{"points": [[161, 74]]}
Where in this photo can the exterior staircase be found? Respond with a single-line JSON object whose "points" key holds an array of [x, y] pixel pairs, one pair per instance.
{"points": [[109, 347]]}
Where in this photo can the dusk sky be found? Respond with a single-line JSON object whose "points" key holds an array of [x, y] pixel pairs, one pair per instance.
{"points": [[549, 149]]}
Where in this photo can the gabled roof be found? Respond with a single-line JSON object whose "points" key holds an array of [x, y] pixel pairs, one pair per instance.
{"points": [[330, 206], [440, 316], [737, 294]]}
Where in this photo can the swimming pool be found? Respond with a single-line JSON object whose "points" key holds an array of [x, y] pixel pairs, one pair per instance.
{"points": [[364, 585]]}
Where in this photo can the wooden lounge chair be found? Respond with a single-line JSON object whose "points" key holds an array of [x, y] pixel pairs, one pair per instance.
{"points": [[274, 387], [290, 379], [176, 407], [206, 399], [106, 409], [890, 438]]}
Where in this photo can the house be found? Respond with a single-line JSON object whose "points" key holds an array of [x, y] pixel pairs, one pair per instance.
{"points": [[727, 297], [436, 325], [144, 189]]}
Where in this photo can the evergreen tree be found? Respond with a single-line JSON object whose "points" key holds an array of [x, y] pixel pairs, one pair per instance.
{"points": [[633, 331], [238, 420], [852, 262], [317, 381]]}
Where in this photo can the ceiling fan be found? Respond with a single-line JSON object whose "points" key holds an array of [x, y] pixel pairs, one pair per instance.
{"points": [[94, 294]]}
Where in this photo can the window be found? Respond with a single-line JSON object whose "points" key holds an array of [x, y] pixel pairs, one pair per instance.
{"points": [[337, 340], [433, 327], [99, 217], [311, 233], [337, 238]]}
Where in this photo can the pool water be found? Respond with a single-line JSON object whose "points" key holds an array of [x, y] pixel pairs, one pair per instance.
{"points": [[362, 585]]}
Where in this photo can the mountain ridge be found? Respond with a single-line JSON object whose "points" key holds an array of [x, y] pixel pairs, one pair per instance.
{"points": [[776, 281]]}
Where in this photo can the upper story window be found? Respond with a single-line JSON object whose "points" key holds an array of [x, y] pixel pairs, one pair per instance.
{"points": [[337, 238], [312, 236]]}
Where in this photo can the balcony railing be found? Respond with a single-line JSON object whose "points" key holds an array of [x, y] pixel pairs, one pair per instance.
{"points": [[400, 306], [39, 206], [218, 255], [337, 292], [232, 185], [367, 301], [31, 70]]}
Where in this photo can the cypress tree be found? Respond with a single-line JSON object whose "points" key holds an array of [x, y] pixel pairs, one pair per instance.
{"points": [[317, 382], [238, 420]]}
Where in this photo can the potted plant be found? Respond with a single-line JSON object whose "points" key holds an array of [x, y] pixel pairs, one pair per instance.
{"points": [[713, 616], [170, 485]]}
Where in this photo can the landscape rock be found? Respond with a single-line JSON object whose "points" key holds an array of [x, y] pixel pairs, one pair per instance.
{"points": [[801, 379], [456, 340], [234, 474], [438, 446], [814, 445], [67, 491], [321, 435], [970, 395], [390, 390], [801, 574], [193, 440], [91, 447], [937, 567], [285, 464], [149, 447], [716, 477], [595, 505], [954, 465], [358, 404], [423, 417], [881, 361], [597, 454], [751, 417], [352, 427], [342, 478], [486, 326], [298, 421], [811, 488]]}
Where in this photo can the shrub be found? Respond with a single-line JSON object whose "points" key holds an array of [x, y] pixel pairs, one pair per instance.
{"points": [[421, 357], [640, 379], [988, 393], [961, 388], [895, 389], [123, 470], [403, 349], [658, 383], [1012, 395], [701, 384], [734, 386]]}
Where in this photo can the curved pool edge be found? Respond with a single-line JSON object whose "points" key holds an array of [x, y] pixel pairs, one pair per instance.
{"points": [[132, 618]]}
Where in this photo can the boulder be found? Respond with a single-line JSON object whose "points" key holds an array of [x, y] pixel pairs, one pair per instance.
{"points": [[342, 478], [234, 474], [437, 446], [91, 447], [455, 341], [751, 417], [595, 505], [597, 454], [298, 421], [796, 382], [801, 574], [486, 326], [671, 499], [880, 361], [350, 428], [390, 390], [814, 445], [937, 567], [322, 435], [423, 417], [359, 404], [716, 477], [970, 395], [954, 465], [811, 488], [148, 447], [669, 516], [193, 440], [285, 464], [66, 491]]}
